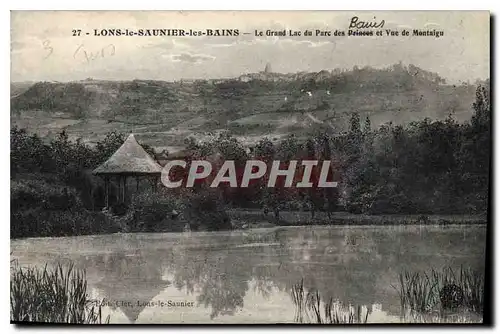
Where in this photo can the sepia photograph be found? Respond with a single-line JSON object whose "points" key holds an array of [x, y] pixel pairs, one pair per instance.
{"points": [[250, 167]]}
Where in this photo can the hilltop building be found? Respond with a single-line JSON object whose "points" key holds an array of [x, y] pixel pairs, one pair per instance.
{"points": [[268, 68]]}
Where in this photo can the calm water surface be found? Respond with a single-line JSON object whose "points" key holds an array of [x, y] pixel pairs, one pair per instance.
{"points": [[247, 276]]}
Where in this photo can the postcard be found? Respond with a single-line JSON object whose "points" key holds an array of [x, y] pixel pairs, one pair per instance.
{"points": [[249, 167]]}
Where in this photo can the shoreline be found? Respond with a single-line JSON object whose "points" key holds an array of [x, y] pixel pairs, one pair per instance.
{"points": [[257, 226], [252, 218]]}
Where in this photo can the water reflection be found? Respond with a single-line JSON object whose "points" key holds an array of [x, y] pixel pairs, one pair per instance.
{"points": [[222, 272], [128, 281]]}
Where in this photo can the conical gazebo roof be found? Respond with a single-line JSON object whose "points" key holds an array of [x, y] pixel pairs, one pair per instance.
{"points": [[129, 159]]}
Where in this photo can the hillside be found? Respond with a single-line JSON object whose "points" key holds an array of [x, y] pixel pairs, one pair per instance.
{"points": [[163, 114]]}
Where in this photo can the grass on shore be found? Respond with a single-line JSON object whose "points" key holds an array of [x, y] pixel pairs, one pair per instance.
{"points": [[56, 296]]}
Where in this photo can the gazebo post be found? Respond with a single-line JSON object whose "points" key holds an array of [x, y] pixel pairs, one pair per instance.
{"points": [[106, 190], [124, 188], [119, 195], [154, 183], [137, 183]]}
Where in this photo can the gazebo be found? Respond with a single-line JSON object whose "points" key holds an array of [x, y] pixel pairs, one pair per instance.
{"points": [[130, 160]]}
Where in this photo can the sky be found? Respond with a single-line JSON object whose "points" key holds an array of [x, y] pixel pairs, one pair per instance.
{"points": [[43, 47]]}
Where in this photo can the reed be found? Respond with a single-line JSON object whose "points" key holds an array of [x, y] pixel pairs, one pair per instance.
{"points": [[441, 291], [417, 292], [311, 308], [55, 295]]}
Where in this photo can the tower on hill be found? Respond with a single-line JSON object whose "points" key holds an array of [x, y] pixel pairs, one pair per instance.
{"points": [[268, 68]]}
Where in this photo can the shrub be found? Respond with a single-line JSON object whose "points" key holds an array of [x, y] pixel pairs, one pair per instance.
{"points": [[35, 192], [203, 210], [154, 211], [39, 222]]}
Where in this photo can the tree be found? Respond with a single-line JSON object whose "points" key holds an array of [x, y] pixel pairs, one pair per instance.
{"points": [[474, 154], [367, 127], [312, 195], [28, 153], [330, 196], [107, 146], [264, 151]]}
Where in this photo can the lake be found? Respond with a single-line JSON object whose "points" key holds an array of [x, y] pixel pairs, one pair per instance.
{"points": [[247, 276]]}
